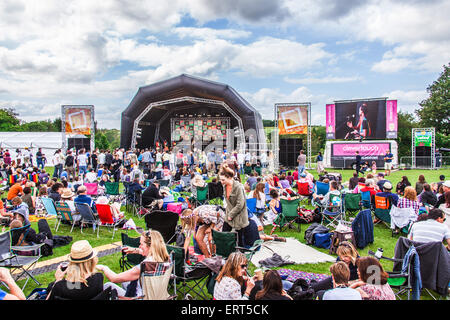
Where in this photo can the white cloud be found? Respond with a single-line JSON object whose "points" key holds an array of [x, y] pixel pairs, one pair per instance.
{"points": [[209, 33], [324, 80], [407, 100]]}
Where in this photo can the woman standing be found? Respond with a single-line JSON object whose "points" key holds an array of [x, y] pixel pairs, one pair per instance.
{"points": [[319, 160], [236, 205]]}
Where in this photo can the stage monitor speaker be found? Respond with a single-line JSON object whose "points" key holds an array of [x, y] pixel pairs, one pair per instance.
{"points": [[423, 157], [289, 151], [79, 143]]}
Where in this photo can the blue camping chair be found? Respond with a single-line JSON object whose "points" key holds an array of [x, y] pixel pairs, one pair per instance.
{"points": [[366, 199], [322, 188]]}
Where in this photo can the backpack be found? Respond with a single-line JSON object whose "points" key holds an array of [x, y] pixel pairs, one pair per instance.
{"points": [[301, 290], [323, 240], [312, 230]]}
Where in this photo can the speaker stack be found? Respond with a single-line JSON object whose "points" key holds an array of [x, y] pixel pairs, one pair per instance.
{"points": [[289, 151]]}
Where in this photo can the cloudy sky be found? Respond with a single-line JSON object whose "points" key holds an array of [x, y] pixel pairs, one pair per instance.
{"points": [[55, 52]]}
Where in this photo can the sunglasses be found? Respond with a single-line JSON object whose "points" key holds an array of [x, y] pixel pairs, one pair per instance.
{"points": [[244, 266]]}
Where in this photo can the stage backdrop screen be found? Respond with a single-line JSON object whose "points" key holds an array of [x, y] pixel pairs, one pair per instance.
{"points": [[78, 120], [361, 120], [292, 119]]}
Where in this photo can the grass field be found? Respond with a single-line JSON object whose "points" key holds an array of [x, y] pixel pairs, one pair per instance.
{"points": [[382, 234]]}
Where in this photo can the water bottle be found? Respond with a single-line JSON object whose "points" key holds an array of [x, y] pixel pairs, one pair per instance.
{"points": [[379, 253]]}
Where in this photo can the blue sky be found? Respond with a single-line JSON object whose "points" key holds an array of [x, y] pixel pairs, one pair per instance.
{"points": [[84, 52]]}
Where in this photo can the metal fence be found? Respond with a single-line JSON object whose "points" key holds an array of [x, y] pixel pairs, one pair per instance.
{"points": [[425, 162]]}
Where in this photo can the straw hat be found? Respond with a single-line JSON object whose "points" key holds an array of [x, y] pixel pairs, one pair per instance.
{"points": [[67, 194], [387, 185], [102, 200], [81, 251]]}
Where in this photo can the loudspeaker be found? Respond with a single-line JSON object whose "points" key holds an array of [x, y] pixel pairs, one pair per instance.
{"points": [[289, 151], [79, 143], [423, 156]]}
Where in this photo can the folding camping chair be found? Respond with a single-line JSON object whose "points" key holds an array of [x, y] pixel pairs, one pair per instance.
{"points": [[10, 258], [163, 221], [332, 212], [50, 207], [322, 188], [154, 279], [106, 218], [91, 189], [399, 281], [352, 203], [130, 260], [202, 196], [64, 213], [382, 210], [87, 216], [227, 243], [288, 215], [366, 200], [112, 189], [192, 278], [402, 218], [304, 191], [215, 192]]}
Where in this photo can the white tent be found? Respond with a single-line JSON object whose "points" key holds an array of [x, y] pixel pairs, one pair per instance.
{"points": [[48, 141]]}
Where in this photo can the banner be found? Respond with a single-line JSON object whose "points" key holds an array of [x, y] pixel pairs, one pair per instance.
{"points": [[365, 149], [292, 119], [423, 138], [78, 120], [391, 119], [330, 121]]}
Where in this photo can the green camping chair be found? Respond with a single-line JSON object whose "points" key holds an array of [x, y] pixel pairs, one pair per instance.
{"points": [[130, 260], [202, 196], [193, 279], [112, 189], [288, 215], [352, 203], [227, 243], [247, 170]]}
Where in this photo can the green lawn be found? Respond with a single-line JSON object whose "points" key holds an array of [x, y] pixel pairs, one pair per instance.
{"points": [[382, 234]]}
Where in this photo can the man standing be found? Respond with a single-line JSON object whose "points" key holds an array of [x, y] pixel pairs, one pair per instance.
{"points": [[358, 163], [69, 164], [39, 159], [82, 162], [101, 159], [116, 164], [388, 157], [108, 159], [301, 160]]}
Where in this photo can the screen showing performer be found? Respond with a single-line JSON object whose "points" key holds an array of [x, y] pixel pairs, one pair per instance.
{"points": [[361, 120]]}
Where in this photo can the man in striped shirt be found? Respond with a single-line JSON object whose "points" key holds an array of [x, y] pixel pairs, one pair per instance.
{"points": [[431, 230]]}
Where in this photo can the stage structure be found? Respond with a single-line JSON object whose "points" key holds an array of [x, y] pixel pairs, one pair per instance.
{"points": [[291, 119], [187, 112], [360, 125], [423, 147], [77, 121]]}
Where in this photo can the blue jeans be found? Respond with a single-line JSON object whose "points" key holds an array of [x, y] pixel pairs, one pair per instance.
{"points": [[82, 169], [301, 169], [40, 163]]}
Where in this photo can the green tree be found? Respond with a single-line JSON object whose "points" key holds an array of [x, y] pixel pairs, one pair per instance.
{"points": [[406, 122], [8, 119], [101, 142], [318, 139], [435, 110]]}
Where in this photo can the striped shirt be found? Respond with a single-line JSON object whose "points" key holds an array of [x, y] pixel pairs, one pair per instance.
{"points": [[429, 231]]}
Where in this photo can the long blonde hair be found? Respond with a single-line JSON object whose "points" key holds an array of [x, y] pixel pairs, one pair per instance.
{"points": [[158, 250], [346, 249], [80, 271], [188, 220]]}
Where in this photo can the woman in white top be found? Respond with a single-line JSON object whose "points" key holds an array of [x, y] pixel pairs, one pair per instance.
{"points": [[152, 247], [231, 278]]}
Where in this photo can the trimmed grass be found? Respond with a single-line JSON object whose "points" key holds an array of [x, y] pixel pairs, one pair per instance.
{"points": [[382, 234]]}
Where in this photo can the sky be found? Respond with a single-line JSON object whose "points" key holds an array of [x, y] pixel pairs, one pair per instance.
{"points": [[57, 52]]}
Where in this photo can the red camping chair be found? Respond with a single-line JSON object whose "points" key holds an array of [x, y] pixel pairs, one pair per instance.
{"points": [[304, 191], [106, 217]]}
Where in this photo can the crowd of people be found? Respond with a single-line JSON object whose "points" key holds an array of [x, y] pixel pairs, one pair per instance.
{"points": [[144, 171]]}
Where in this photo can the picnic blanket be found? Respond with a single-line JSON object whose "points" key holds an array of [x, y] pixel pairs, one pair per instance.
{"points": [[292, 275], [34, 218], [292, 250]]}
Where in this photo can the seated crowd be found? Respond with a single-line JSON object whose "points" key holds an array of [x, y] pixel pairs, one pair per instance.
{"points": [[157, 178]]}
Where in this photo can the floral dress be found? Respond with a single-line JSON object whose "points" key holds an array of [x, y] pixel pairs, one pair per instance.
{"points": [[378, 292]]}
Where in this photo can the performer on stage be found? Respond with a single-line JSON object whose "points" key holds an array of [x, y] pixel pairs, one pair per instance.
{"points": [[362, 130]]}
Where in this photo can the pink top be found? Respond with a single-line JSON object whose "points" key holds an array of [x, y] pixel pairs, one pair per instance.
{"points": [[378, 292]]}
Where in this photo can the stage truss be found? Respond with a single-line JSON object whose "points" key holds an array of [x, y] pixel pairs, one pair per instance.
{"points": [[276, 142], [433, 145]]}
